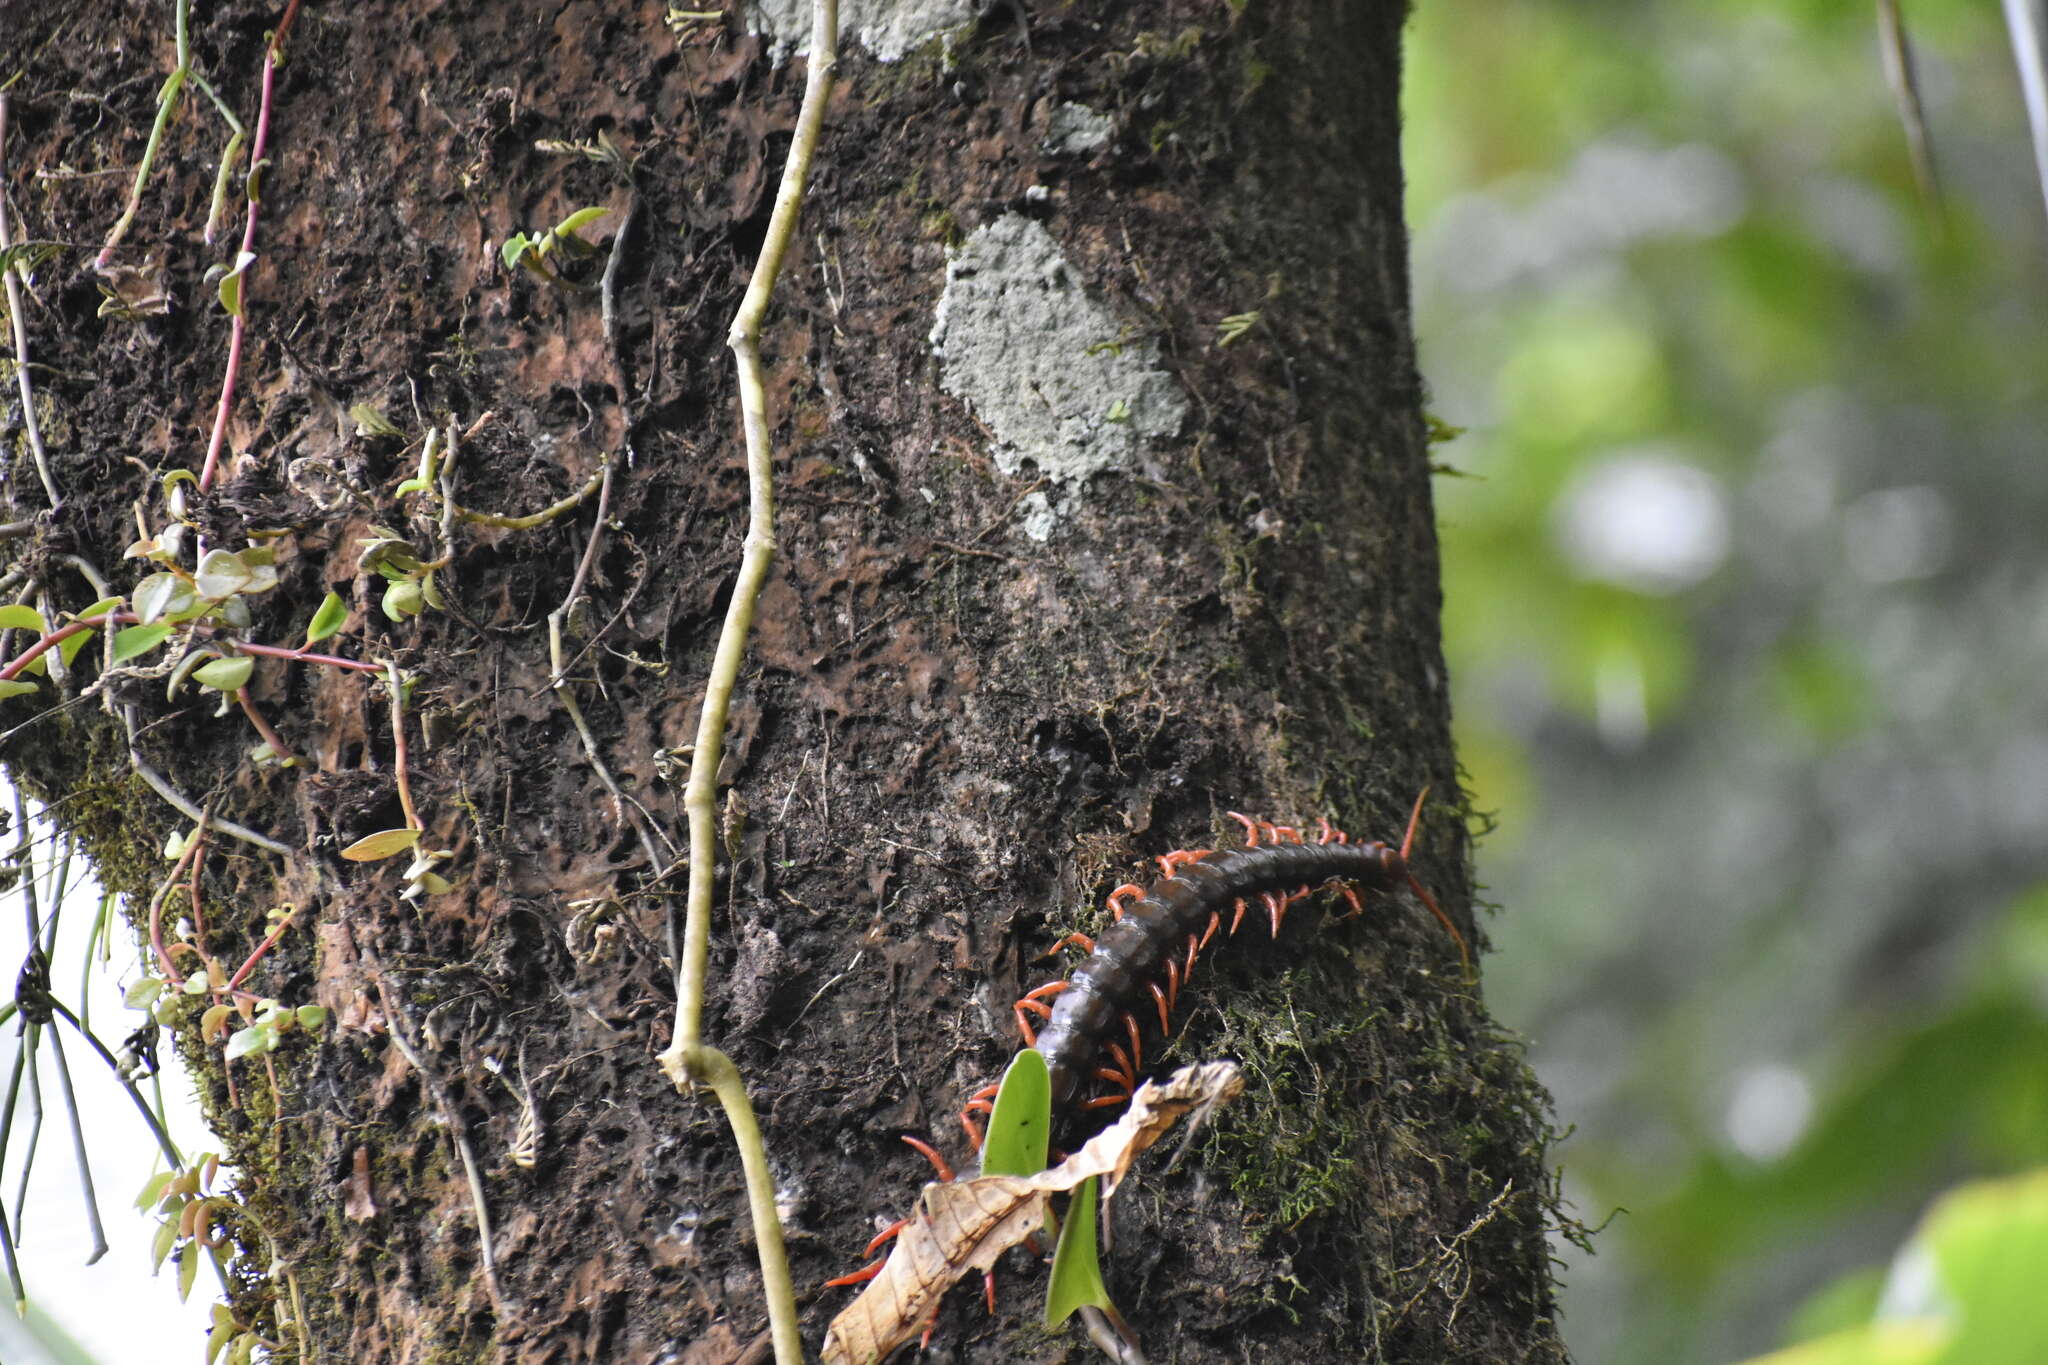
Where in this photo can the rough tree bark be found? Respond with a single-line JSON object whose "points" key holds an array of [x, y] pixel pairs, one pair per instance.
{"points": [[1051, 597]]}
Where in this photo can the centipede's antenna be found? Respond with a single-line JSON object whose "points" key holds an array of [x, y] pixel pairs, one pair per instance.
{"points": [[1422, 892]]}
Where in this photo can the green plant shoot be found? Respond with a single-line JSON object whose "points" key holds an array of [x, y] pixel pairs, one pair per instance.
{"points": [[1076, 1265], [1020, 1128]]}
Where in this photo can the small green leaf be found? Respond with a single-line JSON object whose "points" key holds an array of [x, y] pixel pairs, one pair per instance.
{"points": [[404, 598], [1076, 1265], [383, 844], [188, 1271], [160, 1245], [99, 608], [153, 1189], [21, 616], [516, 246], [1020, 1128], [221, 574], [312, 1018], [371, 422], [15, 687], [142, 993], [225, 675], [251, 1041], [72, 644], [580, 219], [195, 985], [231, 283], [133, 640], [433, 883], [331, 617], [161, 594]]}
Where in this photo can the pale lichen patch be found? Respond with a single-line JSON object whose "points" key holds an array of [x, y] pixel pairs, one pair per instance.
{"points": [[1052, 373], [888, 29]]}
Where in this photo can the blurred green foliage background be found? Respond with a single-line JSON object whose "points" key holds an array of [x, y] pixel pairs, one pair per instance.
{"points": [[1747, 611]]}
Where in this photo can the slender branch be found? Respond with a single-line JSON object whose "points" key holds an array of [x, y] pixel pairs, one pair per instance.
{"points": [[540, 518], [184, 806], [239, 324], [398, 758], [156, 1127], [18, 317], [688, 1061]]}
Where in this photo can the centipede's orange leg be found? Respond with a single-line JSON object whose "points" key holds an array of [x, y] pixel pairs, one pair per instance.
{"points": [[1170, 863], [1422, 893], [981, 1101], [1165, 1009], [1137, 1048], [1251, 828], [1215, 919], [1239, 917], [1081, 941], [1034, 1001], [1276, 906], [1123, 1061], [1116, 900]]}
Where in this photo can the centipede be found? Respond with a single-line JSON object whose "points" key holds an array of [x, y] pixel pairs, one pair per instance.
{"points": [[1093, 1025]]}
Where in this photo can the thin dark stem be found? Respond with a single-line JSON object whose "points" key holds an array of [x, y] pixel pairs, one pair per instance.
{"points": [[18, 316], [156, 1127]]}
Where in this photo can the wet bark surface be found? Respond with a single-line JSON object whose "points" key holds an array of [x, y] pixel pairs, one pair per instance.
{"points": [[950, 739]]}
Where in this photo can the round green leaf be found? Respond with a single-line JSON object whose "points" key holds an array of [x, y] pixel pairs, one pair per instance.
{"points": [[16, 687], [134, 640], [225, 675], [21, 616], [330, 618]]}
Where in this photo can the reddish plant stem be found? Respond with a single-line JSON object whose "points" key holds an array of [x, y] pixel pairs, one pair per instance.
{"points": [[237, 325], [156, 919], [269, 942], [305, 656], [198, 914], [412, 817], [128, 618], [278, 748]]}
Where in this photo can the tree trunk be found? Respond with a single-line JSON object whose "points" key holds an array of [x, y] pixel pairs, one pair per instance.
{"points": [[1119, 522]]}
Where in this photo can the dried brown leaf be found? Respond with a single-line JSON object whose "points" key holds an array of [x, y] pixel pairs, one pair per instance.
{"points": [[963, 1226]]}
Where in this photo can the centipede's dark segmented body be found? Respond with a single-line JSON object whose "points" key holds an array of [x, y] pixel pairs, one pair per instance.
{"points": [[1098, 1018], [1100, 1015]]}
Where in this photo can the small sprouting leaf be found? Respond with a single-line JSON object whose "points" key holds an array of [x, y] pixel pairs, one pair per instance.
{"points": [[383, 844], [1235, 326], [231, 283], [251, 1041], [1076, 1264], [142, 992], [214, 1022], [134, 640], [432, 593], [160, 1245], [188, 1272], [161, 594], [1119, 412], [516, 246], [225, 675], [404, 598], [174, 845], [15, 687], [580, 219], [196, 985], [221, 574], [370, 422], [153, 1189], [434, 884], [1020, 1128], [312, 1018], [99, 608], [331, 617], [21, 616]]}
